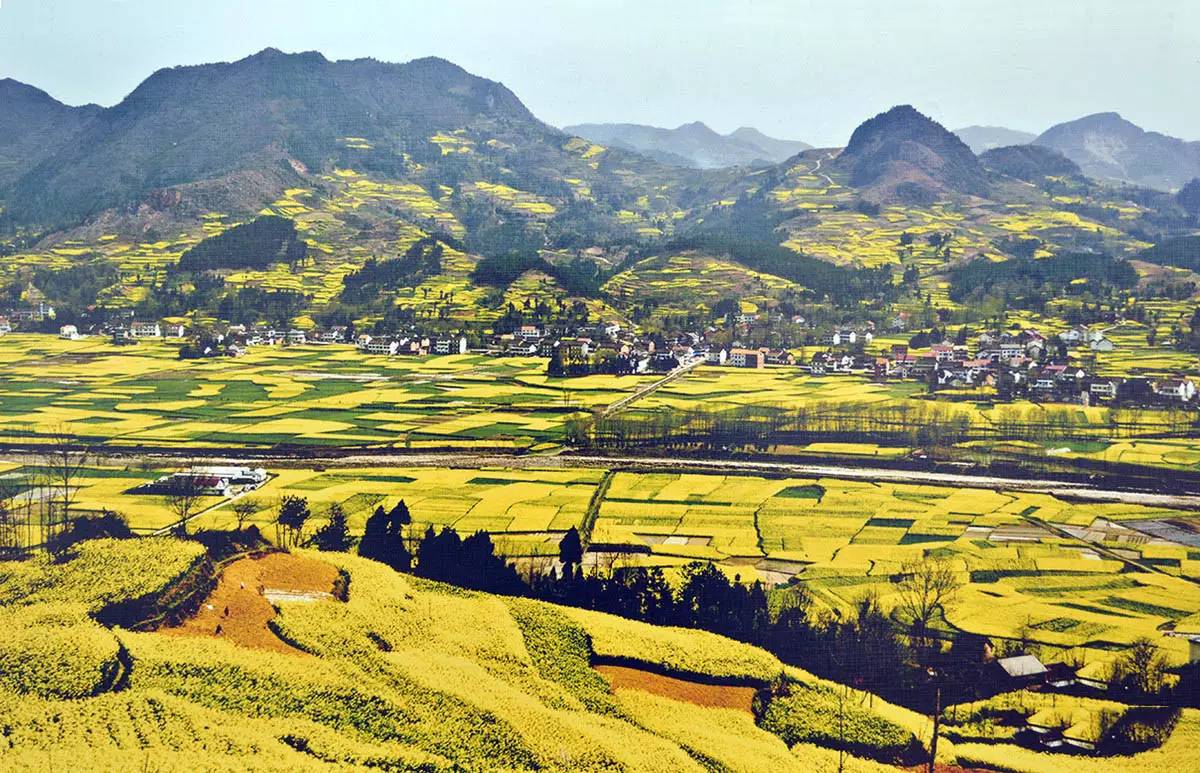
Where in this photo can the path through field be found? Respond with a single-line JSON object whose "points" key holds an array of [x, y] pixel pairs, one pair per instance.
{"points": [[241, 606], [628, 400]]}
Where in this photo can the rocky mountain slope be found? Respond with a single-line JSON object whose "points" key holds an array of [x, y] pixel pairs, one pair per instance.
{"points": [[1109, 148]]}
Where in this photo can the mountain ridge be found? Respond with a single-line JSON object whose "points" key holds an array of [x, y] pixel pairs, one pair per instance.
{"points": [[692, 144], [1108, 147]]}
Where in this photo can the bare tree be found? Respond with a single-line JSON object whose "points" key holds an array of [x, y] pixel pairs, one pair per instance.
{"points": [[10, 525], [928, 585], [64, 461], [1141, 668], [183, 492], [243, 510]]}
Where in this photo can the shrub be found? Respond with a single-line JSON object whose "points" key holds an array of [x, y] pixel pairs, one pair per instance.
{"points": [[818, 715]]}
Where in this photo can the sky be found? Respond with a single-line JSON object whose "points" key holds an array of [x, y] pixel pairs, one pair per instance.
{"points": [[800, 69]]}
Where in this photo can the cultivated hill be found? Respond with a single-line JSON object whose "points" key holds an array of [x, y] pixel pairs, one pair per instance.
{"points": [[231, 137], [423, 191], [904, 155], [272, 112], [1108, 147], [388, 672], [692, 144]]}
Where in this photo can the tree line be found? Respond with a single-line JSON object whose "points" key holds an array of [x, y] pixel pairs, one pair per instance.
{"points": [[912, 423]]}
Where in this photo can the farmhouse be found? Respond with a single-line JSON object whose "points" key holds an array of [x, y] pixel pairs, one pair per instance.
{"points": [[69, 332], [1174, 389], [1018, 672], [746, 358], [380, 346], [141, 329]]}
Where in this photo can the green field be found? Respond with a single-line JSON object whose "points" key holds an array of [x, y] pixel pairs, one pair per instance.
{"points": [[305, 395]]}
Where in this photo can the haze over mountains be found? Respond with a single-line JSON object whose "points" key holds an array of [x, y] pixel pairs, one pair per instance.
{"points": [[983, 138], [692, 144]]}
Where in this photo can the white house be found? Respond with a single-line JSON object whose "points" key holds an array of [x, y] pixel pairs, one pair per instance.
{"points": [[140, 329], [1175, 389], [716, 356], [69, 332], [381, 346]]}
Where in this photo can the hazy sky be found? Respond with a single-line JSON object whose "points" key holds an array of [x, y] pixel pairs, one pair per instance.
{"points": [[803, 69]]}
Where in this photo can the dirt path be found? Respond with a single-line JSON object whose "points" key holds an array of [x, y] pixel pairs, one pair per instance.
{"points": [[354, 457], [628, 400], [240, 607], [686, 690]]}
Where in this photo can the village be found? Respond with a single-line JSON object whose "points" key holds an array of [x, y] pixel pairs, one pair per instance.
{"points": [[995, 365]]}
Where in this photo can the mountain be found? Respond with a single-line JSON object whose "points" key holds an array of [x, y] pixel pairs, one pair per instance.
{"points": [[1109, 148], [1189, 197], [33, 125], [268, 116], [904, 155], [1031, 163], [984, 138], [693, 144]]}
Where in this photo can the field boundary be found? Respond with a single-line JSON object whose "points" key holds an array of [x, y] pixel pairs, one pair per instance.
{"points": [[593, 508]]}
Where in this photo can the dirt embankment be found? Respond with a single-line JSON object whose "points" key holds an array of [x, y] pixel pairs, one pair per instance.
{"points": [[240, 608], [686, 690]]}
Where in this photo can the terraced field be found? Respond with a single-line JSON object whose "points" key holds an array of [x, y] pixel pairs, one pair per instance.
{"points": [[843, 539]]}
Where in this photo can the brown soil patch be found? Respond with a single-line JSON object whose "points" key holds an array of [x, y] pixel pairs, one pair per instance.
{"points": [[238, 610], [686, 690]]}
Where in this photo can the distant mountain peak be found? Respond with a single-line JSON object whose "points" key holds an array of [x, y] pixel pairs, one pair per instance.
{"points": [[1107, 146], [903, 154]]}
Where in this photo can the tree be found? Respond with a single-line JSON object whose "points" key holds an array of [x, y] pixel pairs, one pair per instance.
{"points": [[243, 510], [1141, 668], [383, 538], [10, 532], [334, 535], [927, 585], [289, 522], [183, 491], [64, 462], [107, 525], [570, 551]]}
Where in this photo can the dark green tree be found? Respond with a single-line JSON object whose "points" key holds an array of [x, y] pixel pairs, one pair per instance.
{"points": [[570, 551], [334, 535]]}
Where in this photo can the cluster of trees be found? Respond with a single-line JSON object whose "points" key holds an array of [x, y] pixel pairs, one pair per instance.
{"points": [[423, 259], [579, 276], [257, 244], [75, 288], [837, 285], [914, 423], [1029, 283]]}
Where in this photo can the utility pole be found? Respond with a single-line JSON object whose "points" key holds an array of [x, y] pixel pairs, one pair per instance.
{"points": [[937, 716]]}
